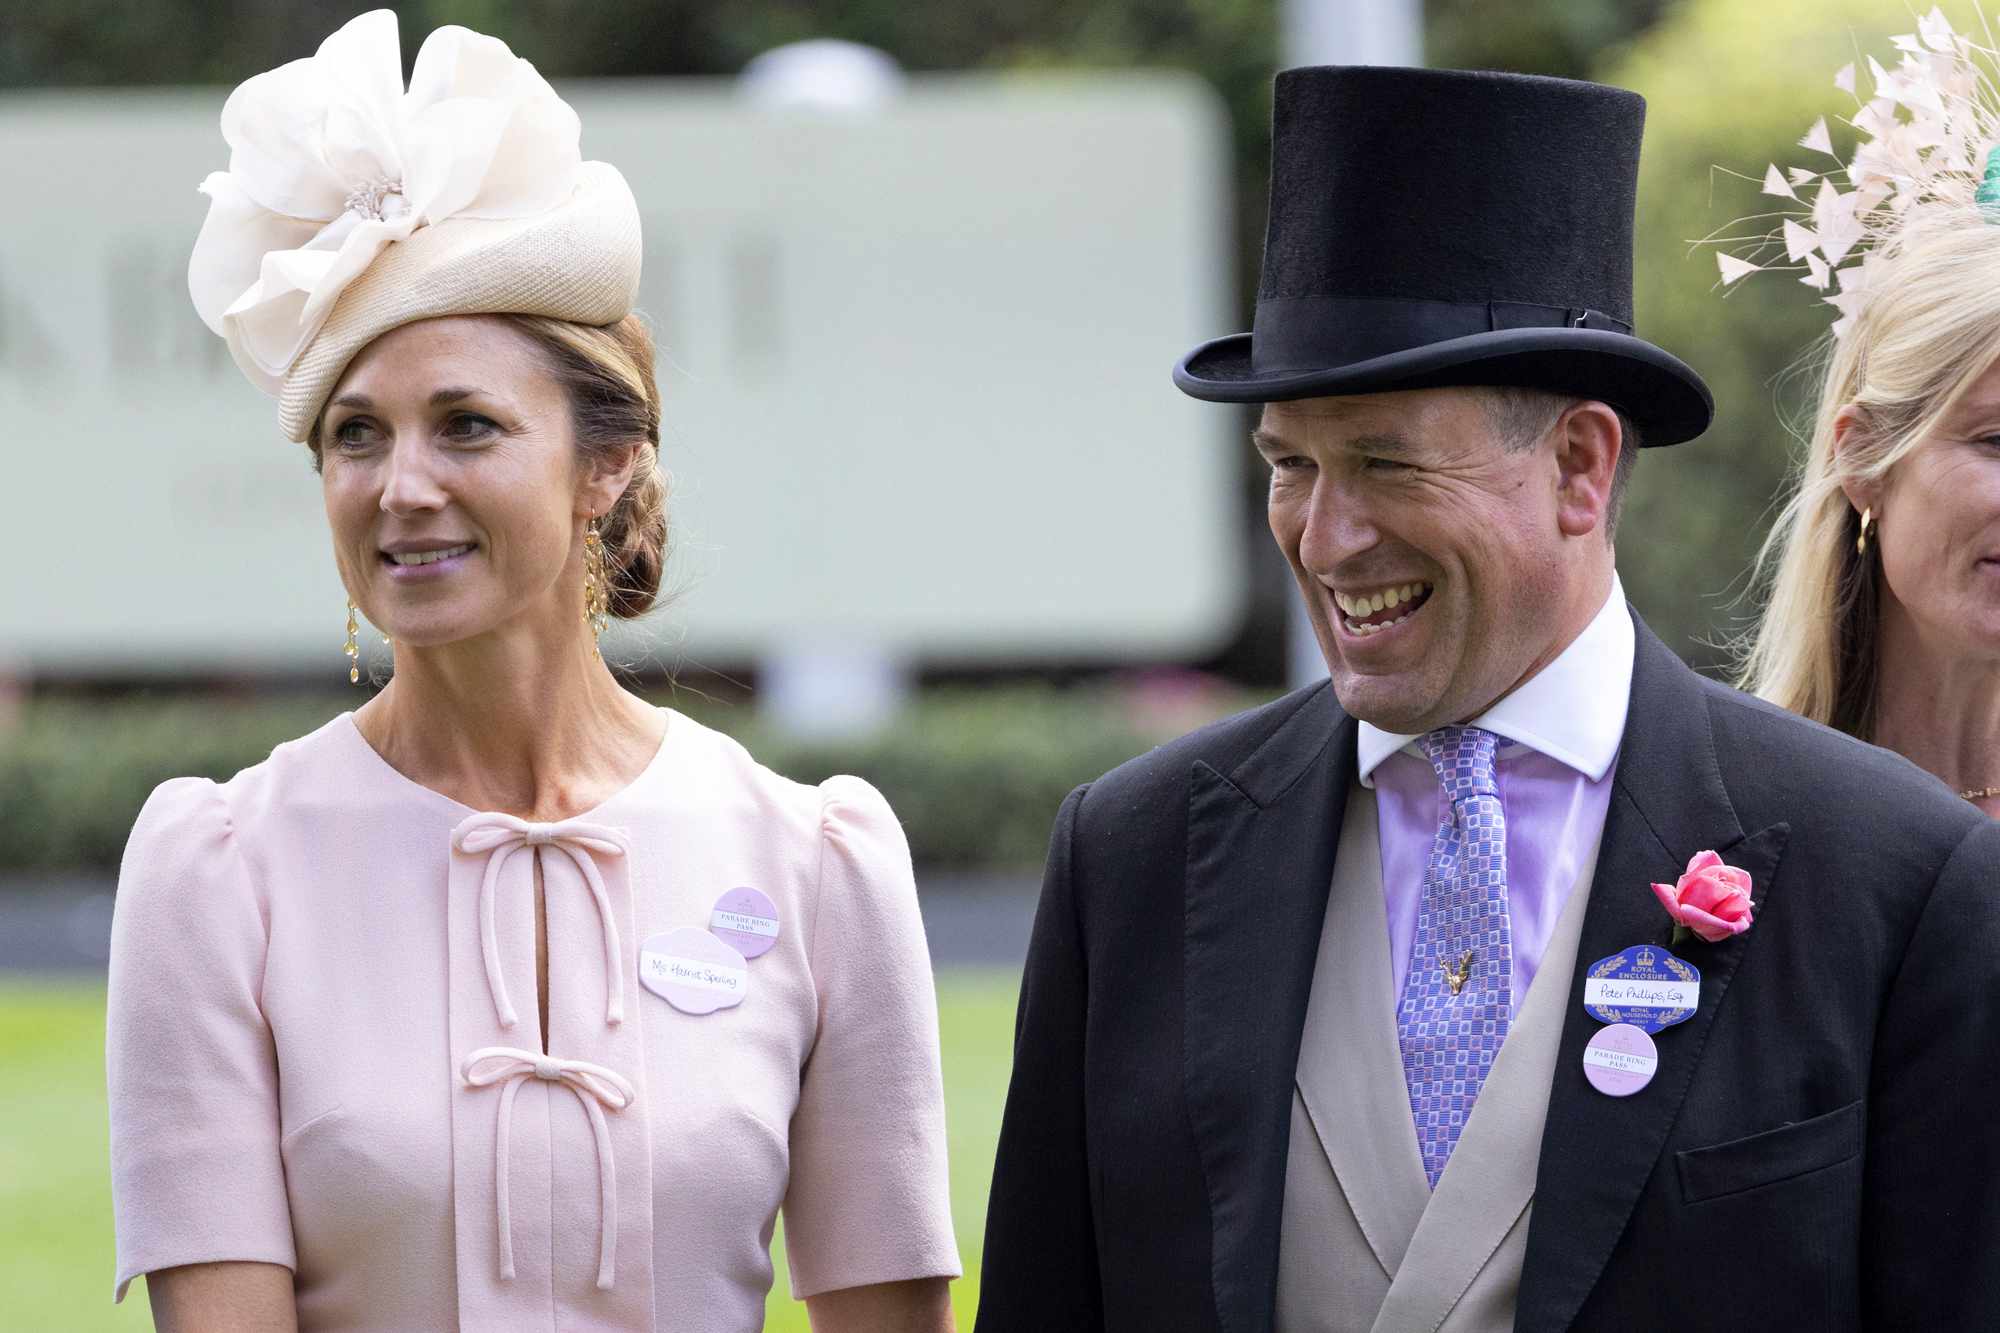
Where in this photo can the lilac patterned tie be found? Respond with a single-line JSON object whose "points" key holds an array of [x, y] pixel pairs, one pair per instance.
{"points": [[1458, 996]]}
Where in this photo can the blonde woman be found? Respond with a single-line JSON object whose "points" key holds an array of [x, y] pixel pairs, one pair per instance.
{"points": [[506, 1000], [1883, 617]]}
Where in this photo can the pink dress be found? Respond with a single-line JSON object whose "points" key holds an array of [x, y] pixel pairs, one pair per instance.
{"points": [[324, 1049]]}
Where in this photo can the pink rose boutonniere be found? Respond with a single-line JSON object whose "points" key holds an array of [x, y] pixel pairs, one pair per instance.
{"points": [[1711, 900]]}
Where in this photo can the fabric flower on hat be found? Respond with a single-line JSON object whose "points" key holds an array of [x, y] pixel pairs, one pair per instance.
{"points": [[332, 160]]}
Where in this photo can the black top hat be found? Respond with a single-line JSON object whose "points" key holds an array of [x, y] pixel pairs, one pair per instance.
{"points": [[1438, 227]]}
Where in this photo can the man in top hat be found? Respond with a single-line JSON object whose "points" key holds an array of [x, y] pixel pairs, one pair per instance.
{"points": [[1518, 976]]}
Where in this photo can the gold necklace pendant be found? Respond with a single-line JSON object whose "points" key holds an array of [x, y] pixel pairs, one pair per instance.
{"points": [[1456, 977]]}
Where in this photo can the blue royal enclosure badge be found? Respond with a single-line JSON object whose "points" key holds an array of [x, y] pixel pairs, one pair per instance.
{"points": [[1645, 986]]}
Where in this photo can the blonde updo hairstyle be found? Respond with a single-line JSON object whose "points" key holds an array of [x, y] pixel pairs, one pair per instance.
{"points": [[607, 374], [1928, 327]]}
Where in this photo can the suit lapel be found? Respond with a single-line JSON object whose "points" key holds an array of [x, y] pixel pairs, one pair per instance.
{"points": [[1667, 803], [1260, 853]]}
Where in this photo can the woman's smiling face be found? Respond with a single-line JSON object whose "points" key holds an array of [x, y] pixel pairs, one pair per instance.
{"points": [[1938, 522], [451, 482]]}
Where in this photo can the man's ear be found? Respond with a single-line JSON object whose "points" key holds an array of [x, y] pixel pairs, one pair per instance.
{"points": [[1587, 441]]}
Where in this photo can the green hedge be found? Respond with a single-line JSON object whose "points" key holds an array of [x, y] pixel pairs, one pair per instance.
{"points": [[975, 774]]}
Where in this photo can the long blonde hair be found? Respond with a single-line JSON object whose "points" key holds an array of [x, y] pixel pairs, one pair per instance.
{"points": [[1928, 326]]}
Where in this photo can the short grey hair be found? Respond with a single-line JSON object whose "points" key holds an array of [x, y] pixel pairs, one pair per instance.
{"points": [[1521, 417]]}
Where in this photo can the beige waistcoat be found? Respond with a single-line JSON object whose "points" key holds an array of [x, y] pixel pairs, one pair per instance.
{"points": [[1365, 1244]]}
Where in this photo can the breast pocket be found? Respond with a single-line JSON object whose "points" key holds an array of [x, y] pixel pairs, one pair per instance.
{"points": [[1775, 1155]]}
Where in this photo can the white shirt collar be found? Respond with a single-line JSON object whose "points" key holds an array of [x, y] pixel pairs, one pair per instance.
{"points": [[1572, 710]]}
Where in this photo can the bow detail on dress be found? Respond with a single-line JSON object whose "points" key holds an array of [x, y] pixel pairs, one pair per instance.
{"points": [[596, 1087], [499, 836]]}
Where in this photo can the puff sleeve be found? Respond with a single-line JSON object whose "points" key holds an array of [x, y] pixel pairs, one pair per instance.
{"points": [[869, 1199], [195, 1171]]}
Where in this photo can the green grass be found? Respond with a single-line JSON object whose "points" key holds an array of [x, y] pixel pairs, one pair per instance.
{"points": [[55, 1192]]}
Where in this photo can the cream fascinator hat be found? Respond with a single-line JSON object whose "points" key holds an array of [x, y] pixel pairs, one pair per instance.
{"points": [[1927, 146], [353, 206]]}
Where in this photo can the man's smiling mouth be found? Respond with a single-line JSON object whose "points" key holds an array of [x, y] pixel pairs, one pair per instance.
{"points": [[1372, 610]]}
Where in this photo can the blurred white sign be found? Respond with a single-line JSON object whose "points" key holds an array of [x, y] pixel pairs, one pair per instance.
{"points": [[915, 361]]}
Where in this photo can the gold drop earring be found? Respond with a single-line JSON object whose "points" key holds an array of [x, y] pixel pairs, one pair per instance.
{"points": [[1861, 542], [596, 584], [352, 650]]}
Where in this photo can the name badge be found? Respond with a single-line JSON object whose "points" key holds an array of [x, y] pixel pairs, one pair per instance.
{"points": [[693, 971], [1644, 986], [747, 920], [1620, 1060]]}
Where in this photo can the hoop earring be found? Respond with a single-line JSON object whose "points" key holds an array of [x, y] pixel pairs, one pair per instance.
{"points": [[352, 649], [596, 584], [1861, 541]]}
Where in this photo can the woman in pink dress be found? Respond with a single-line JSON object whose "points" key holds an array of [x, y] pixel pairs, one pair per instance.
{"points": [[506, 1000]]}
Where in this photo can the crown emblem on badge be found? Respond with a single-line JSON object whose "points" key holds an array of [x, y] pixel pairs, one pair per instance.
{"points": [[1644, 958]]}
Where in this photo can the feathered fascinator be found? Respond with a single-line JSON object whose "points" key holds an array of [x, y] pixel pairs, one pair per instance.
{"points": [[353, 205], [1926, 139]]}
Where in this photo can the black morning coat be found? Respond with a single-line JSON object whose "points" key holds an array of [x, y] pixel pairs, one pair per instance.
{"points": [[1819, 1150]]}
